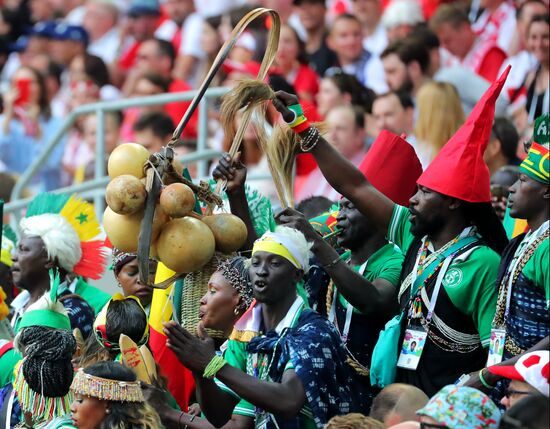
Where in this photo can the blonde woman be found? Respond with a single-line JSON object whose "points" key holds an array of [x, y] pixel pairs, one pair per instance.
{"points": [[440, 114]]}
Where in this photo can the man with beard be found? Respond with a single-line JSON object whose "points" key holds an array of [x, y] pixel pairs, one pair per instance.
{"points": [[521, 320], [362, 294], [452, 238], [286, 362], [406, 65]]}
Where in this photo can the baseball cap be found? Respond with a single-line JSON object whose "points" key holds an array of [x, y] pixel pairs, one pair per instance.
{"points": [[20, 44], [76, 33], [43, 29], [144, 7], [532, 368]]}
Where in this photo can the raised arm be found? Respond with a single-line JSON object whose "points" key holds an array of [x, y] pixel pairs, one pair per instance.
{"points": [[234, 173], [340, 173], [378, 297]]}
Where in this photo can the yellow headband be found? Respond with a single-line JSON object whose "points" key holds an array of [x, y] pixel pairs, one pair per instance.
{"points": [[267, 244]]}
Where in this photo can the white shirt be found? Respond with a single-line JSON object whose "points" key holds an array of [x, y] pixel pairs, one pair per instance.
{"points": [[500, 26], [107, 47], [190, 37], [377, 41], [216, 7]]}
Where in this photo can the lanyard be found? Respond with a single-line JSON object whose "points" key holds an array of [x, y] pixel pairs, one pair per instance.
{"points": [[437, 288], [349, 308], [522, 248]]}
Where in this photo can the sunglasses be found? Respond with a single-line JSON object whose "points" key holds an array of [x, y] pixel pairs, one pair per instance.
{"points": [[511, 392], [432, 426]]}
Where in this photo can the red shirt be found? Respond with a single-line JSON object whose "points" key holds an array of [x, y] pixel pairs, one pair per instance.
{"points": [[491, 63], [177, 109], [306, 82]]}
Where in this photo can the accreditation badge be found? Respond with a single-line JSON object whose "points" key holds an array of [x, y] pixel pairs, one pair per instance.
{"points": [[412, 347], [496, 346]]}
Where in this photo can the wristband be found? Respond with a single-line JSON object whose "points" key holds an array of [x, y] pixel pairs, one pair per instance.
{"points": [[213, 367], [297, 109], [301, 127], [483, 381]]}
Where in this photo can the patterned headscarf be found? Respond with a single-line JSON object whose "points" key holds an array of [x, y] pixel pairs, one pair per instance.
{"points": [[462, 407], [235, 271], [120, 259]]}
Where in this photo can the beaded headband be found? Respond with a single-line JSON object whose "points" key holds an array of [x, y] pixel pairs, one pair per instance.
{"points": [[106, 389], [238, 278]]}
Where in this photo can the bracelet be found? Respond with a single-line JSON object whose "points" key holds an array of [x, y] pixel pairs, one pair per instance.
{"points": [[214, 366], [311, 140], [300, 128], [482, 379], [336, 261], [297, 109]]}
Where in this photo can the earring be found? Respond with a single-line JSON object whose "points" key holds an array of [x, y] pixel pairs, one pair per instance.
{"points": [[108, 411], [119, 285], [236, 311]]}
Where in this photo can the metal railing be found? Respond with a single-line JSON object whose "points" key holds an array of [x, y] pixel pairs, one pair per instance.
{"points": [[95, 188]]}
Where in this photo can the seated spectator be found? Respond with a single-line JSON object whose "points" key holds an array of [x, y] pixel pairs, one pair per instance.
{"points": [[527, 376], [452, 26], [346, 132], [536, 84], [346, 40], [497, 22], [397, 403], [394, 112], [436, 103], [503, 145], [52, 73], [312, 16], [400, 17], [153, 130], [100, 21], [67, 42], [291, 62], [342, 89], [158, 56], [25, 127], [369, 12], [183, 30], [460, 407], [531, 412], [406, 65], [148, 84]]}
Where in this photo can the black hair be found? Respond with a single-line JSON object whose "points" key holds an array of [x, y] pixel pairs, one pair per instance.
{"points": [[531, 412], [54, 70], [96, 70], [409, 50], [488, 224], [425, 36], [506, 133], [404, 98], [314, 206], [126, 317], [539, 18], [43, 101], [160, 124], [47, 366], [360, 95], [157, 80], [302, 54], [521, 7], [165, 49], [111, 371]]}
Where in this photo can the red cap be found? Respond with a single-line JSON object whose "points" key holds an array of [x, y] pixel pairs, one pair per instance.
{"points": [[532, 368], [392, 167], [459, 170]]}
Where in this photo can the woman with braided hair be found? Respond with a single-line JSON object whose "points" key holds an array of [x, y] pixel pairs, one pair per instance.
{"points": [[107, 395], [40, 396]]}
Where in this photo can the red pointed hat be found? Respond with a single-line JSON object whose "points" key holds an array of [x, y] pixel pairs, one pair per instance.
{"points": [[392, 167], [459, 170]]}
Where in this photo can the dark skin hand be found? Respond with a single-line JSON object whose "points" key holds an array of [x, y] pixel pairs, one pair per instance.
{"points": [[499, 204], [174, 419], [285, 398], [492, 379], [234, 174], [377, 298], [342, 174]]}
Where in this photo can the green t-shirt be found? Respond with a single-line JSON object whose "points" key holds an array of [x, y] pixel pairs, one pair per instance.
{"points": [[535, 269], [469, 280], [385, 264], [237, 356]]}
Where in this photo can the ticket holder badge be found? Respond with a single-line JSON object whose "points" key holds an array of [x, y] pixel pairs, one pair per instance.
{"points": [[412, 347], [496, 346]]}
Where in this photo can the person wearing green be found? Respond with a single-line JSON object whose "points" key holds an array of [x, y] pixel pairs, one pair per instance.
{"points": [[522, 322], [58, 231], [451, 239], [292, 370]]}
